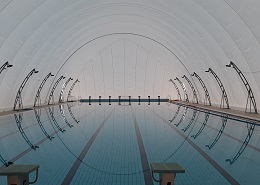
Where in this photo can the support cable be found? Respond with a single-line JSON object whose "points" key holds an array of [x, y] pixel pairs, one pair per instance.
{"points": [[18, 98], [195, 97], [224, 97], [184, 89], [177, 89], [207, 97], [37, 97], [250, 95], [51, 97], [71, 88]]}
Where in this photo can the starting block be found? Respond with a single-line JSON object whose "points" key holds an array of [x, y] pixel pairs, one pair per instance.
{"points": [[19, 174], [167, 172]]}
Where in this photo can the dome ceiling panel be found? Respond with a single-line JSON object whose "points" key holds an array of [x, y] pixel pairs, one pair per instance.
{"points": [[67, 37]]}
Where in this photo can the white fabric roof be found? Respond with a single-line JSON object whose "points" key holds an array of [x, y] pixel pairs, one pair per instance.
{"points": [[129, 48]]}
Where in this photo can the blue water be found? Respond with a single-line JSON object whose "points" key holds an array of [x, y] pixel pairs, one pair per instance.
{"points": [[114, 156]]}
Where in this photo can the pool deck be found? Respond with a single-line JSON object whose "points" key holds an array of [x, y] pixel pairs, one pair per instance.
{"points": [[231, 113], [9, 112]]}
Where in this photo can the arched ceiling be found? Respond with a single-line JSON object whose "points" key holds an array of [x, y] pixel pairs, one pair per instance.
{"points": [[121, 47]]}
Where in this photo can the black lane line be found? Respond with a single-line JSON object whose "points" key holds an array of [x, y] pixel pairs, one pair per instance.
{"points": [[146, 169], [223, 172], [73, 170]]}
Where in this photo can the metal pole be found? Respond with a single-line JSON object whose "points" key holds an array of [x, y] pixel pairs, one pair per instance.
{"points": [[53, 89], [18, 98], [248, 88], [37, 97], [207, 97], [224, 94]]}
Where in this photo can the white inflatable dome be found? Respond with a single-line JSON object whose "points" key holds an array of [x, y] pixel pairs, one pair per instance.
{"points": [[129, 48]]}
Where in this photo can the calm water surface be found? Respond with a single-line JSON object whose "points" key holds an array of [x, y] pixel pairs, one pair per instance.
{"points": [[103, 144]]}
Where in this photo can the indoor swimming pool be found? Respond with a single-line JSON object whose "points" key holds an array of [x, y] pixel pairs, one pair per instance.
{"points": [[115, 144]]}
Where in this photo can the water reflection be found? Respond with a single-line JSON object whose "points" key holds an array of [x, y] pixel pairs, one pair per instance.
{"points": [[176, 114], [51, 110], [250, 130], [37, 113], [191, 121], [69, 105], [19, 120], [4, 162], [116, 143], [202, 126], [63, 116], [224, 119], [224, 122], [183, 117]]}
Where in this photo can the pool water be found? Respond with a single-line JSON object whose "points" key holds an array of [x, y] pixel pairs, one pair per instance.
{"points": [[115, 144]]}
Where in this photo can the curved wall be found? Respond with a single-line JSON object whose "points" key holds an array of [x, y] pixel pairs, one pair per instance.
{"points": [[129, 48]]}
